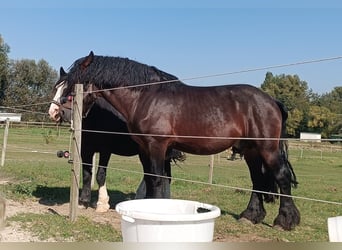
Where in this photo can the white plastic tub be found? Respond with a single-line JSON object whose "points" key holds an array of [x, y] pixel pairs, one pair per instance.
{"points": [[335, 229], [167, 220]]}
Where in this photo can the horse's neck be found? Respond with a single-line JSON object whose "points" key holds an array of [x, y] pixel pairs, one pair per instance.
{"points": [[103, 104], [124, 101]]}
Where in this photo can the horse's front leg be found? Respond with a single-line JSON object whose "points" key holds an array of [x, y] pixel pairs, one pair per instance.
{"points": [[102, 204], [155, 174], [141, 191], [85, 195]]}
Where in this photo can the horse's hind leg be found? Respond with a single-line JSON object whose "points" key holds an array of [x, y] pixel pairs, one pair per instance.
{"points": [[255, 211], [102, 204], [147, 188], [288, 216]]}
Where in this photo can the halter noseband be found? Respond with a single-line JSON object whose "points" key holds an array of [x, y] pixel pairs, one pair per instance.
{"points": [[62, 101]]}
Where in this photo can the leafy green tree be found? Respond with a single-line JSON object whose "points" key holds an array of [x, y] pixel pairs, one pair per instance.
{"points": [[288, 89], [320, 120], [4, 50], [294, 121], [333, 101], [294, 94], [29, 88]]}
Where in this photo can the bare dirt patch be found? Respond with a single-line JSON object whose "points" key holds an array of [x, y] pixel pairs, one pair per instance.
{"points": [[12, 232]]}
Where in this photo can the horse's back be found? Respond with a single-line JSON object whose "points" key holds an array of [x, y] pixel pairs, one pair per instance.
{"points": [[243, 108]]}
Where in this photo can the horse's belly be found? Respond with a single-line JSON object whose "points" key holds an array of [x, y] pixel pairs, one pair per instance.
{"points": [[204, 146]]}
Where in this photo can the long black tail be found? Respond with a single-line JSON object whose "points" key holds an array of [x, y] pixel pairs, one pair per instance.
{"points": [[284, 143], [175, 156]]}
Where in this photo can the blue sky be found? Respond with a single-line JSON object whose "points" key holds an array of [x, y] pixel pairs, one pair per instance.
{"points": [[191, 39]]}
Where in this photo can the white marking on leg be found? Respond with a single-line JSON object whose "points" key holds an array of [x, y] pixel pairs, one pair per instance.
{"points": [[103, 201]]}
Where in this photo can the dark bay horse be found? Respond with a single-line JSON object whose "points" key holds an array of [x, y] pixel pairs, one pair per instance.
{"points": [[103, 118], [197, 120]]}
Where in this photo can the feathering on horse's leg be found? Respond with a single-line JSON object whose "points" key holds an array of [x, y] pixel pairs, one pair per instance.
{"points": [[288, 216]]}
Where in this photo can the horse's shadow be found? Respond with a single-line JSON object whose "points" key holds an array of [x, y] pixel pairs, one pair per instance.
{"points": [[238, 218], [51, 196], [230, 213]]}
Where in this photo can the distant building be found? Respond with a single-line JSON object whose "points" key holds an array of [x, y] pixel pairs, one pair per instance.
{"points": [[13, 117], [310, 137]]}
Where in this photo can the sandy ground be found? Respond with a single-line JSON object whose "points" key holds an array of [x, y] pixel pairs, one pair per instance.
{"points": [[12, 232]]}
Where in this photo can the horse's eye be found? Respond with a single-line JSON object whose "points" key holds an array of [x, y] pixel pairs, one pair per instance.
{"points": [[63, 100]]}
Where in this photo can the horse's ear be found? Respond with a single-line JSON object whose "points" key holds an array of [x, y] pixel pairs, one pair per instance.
{"points": [[62, 72], [87, 60]]}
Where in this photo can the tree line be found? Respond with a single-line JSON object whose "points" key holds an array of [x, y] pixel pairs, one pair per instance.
{"points": [[308, 111], [26, 87]]}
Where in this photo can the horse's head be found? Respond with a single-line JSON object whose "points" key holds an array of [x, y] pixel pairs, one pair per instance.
{"points": [[60, 108], [61, 105]]}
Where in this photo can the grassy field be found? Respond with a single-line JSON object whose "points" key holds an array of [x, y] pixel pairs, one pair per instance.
{"points": [[34, 173]]}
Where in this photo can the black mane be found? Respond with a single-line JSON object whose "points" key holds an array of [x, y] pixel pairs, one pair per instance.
{"points": [[110, 72]]}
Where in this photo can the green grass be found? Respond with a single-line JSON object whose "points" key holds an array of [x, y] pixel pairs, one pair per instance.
{"points": [[48, 226], [36, 173]]}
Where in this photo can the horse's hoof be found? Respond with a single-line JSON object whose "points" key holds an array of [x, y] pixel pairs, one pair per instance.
{"points": [[102, 205], [287, 221], [102, 208], [255, 216], [278, 227], [246, 221], [82, 206]]}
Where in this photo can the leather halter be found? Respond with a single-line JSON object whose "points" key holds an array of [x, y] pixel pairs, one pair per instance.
{"points": [[63, 100]]}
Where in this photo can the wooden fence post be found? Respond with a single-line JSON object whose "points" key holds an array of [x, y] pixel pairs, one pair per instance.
{"points": [[77, 132], [211, 169], [2, 212], [4, 146], [93, 171]]}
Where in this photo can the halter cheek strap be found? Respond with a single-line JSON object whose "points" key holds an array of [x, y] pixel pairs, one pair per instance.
{"points": [[55, 102], [63, 101]]}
